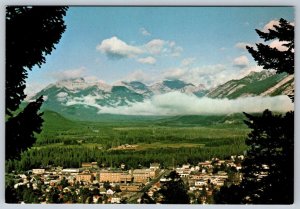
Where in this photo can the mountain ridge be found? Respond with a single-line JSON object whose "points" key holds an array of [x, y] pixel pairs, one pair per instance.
{"points": [[78, 98]]}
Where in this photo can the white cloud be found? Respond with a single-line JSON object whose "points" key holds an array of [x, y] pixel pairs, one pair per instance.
{"points": [[270, 25], [69, 74], [140, 75], [176, 103], [144, 32], [168, 48], [32, 88], [242, 45], [62, 94], [187, 61], [91, 79], [155, 46], [241, 61], [210, 75], [147, 60], [176, 51], [116, 48], [279, 45]]}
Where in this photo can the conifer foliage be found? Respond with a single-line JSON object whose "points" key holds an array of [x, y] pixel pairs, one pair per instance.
{"points": [[269, 164], [174, 191], [31, 33], [268, 168], [272, 58]]}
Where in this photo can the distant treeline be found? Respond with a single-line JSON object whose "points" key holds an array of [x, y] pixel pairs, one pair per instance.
{"points": [[73, 156]]}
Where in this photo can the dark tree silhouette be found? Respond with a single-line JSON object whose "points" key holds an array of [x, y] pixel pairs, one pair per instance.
{"points": [[268, 168], [20, 129], [272, 58], [229, 195], [269, 165], [174, 191], [31, 32]]}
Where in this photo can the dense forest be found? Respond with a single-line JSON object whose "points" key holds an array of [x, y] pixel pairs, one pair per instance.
{"points": [[68, 143]]}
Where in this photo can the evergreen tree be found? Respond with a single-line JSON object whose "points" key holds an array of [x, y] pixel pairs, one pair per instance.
{"points": [[272, 58], [31, 32], [20, 129], [268, 168], [269, 164], [174, 190]]}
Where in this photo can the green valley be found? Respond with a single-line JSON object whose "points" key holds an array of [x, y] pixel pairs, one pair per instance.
{"points": [[134, 140]]}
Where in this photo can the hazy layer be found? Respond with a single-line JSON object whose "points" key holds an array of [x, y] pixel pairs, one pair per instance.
{"points": [[176, 103]]}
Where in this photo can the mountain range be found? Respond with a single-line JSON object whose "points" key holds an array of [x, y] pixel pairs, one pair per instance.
{"points": [[68, 97]]}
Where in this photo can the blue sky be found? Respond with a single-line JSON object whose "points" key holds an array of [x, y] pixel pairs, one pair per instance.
{"points": [[201, 45]]}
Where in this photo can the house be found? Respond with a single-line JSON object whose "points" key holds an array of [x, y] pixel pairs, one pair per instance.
{"points": [[115, 200], [186, 166], [154, 166], [38, 171], [70, 170], [110, 192], [131, 187], [200, 183]]}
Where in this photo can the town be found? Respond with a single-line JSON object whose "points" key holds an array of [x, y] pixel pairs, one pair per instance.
{"points": [[92, 184]]}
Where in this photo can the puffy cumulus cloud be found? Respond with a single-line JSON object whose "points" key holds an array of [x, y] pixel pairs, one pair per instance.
{"points": [[69, 74], [210, 75], [32, 88], [147, 60], [158, 47], [279, 45], [140, 75], [245, 71], [241, 61], [155, 46], [144, 32], [176, 103], [188, 61], [242, 45], [176, 51], [270, 25], [116, 48]]}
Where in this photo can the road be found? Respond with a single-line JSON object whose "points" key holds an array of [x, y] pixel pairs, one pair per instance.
{"points": [[138, 195]]}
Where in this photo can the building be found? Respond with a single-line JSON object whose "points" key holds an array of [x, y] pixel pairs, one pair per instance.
{"points": [[131, 187], [38, 171], [154, 166], [86, 177], [70, 170], [142, 175], [89, 165], [115, 176]]}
